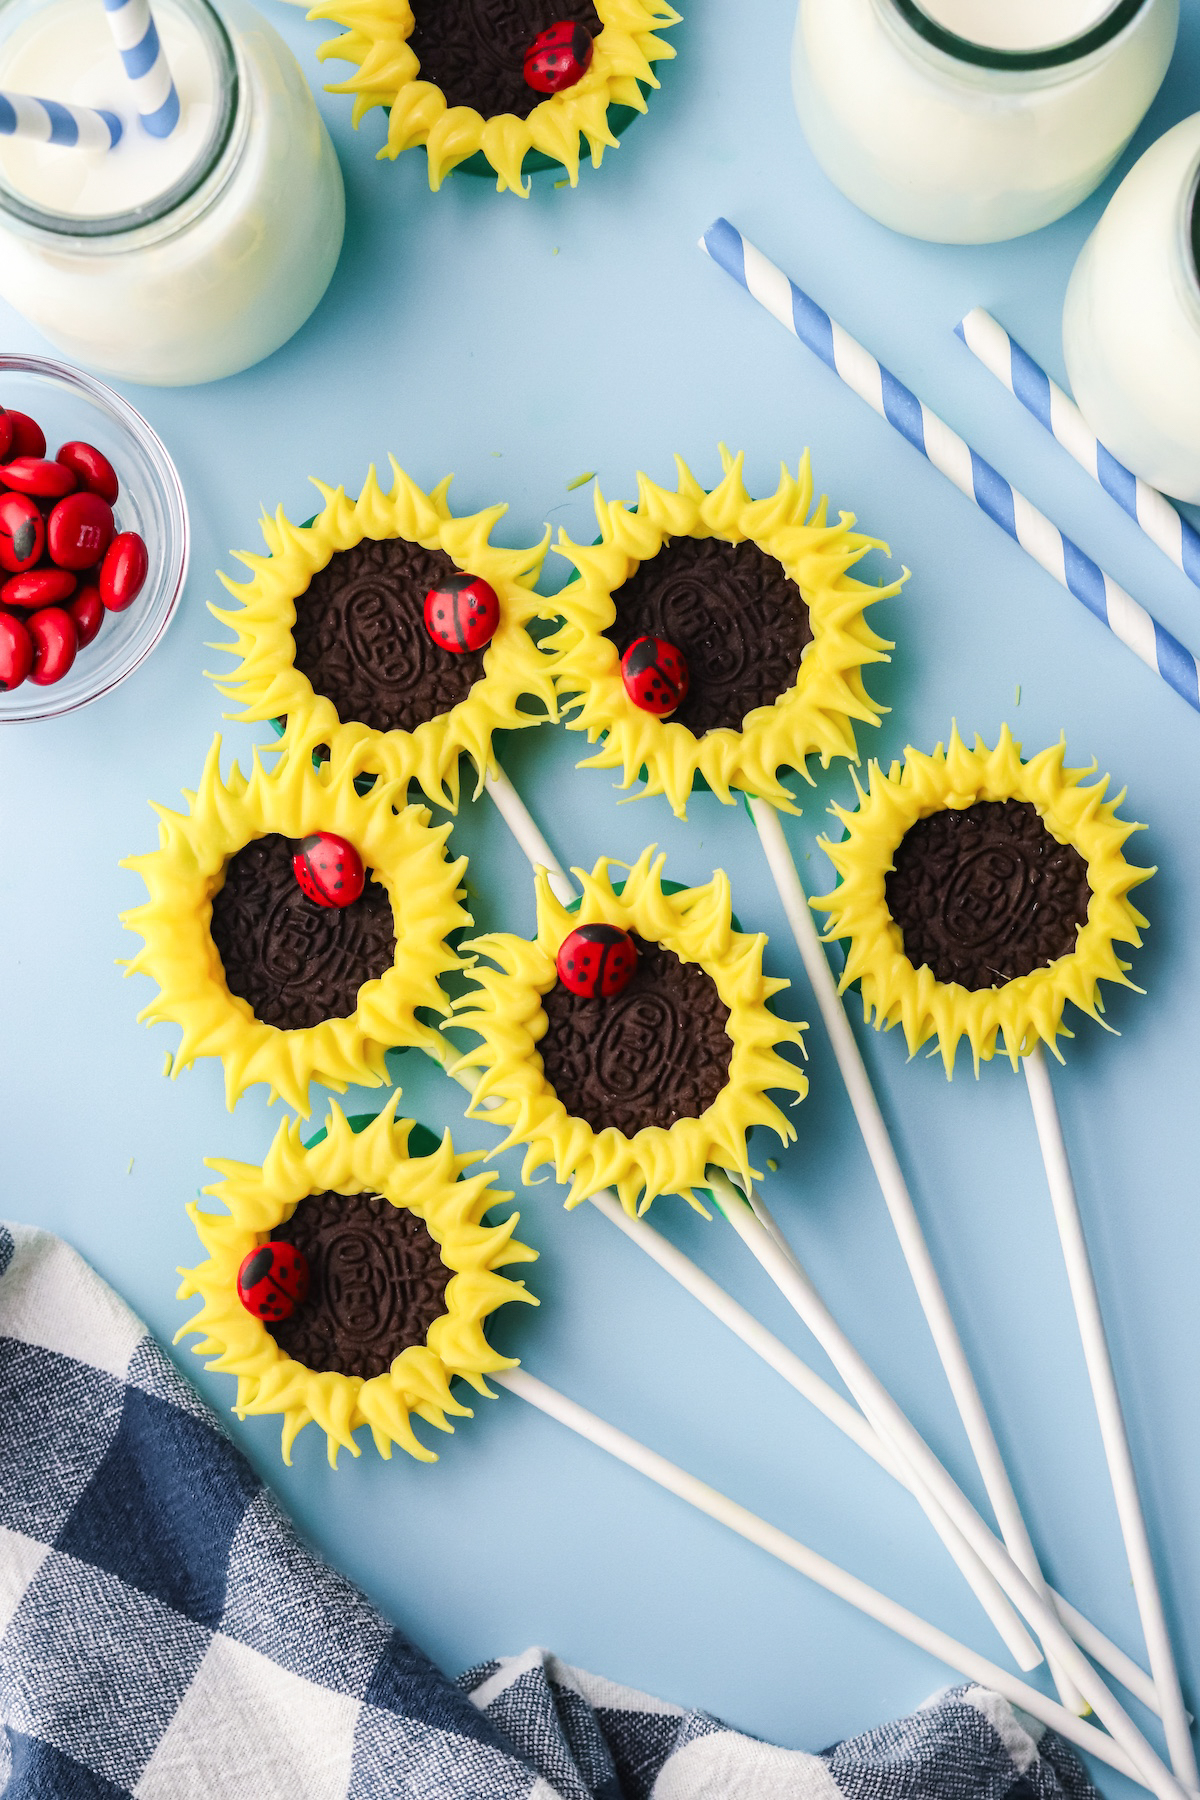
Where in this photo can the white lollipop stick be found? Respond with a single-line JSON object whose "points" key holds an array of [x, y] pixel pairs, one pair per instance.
{"points": [[848, 1419], [1108, 1411], [136, 37], [528, 834], [798, 1290], [828, 1401], [903, 1213], [817, 1568], [982, 1582], [53, 122]]}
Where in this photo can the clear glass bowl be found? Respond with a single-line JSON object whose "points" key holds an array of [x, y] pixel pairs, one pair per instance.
{"points": [[69, 404]]}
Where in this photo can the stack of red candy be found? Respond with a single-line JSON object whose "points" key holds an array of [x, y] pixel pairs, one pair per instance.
{"points": [[63, 563]]}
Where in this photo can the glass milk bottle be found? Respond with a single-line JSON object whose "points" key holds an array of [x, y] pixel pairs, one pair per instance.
{"points": [[968, 121], [167, 260], [1131, 323]]}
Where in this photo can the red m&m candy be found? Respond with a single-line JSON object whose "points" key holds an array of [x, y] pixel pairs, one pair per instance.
{"points": [[272, 1281], [55, 643], [655, 675], [330, 871], [34, 475], [596, 961], [462, 613], [91, 468], [79, 530], [16, 651], [87, 610], [558, 57], [6, 435], [22, 533], [37, 587], [123, 571], [28, 438]]}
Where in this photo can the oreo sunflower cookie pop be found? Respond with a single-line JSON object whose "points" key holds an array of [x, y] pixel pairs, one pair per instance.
{"points": [[504, 86], [391, 634], [347, 1281], [979, 894], [297, 928], [631, 1043], [713, 638]]}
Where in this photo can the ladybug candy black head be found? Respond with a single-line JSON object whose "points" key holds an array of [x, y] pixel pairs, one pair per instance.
{"points": [[272, 1281], [558, 57], [329, 870], [596, 961], [655, 674], [462, 613]]}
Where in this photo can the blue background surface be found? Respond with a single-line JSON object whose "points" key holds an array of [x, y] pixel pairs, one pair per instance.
{"points": [[521, 344]]}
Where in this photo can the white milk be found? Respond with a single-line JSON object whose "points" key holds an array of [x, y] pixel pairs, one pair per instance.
{"points": [[1131, 323], [178, 260], [1017, 24], [66, 52], [970, 148]]}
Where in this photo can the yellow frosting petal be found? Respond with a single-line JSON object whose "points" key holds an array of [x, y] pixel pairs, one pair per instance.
{"points": [[1030, 1007], [387, 73], [395, 841], [268, 685], [452, 1205], [815, 717], [505, 1011]]}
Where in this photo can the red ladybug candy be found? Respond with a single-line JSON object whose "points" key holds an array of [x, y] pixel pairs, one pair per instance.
{"points": [[54, 644], [6, 434], [92, 469], [123, 571], [272, 1281], [34, 475], [558, 57], [655, 675], [28, 438], [22, 533], [37, 587], [87, 610], [79, 530], [330, 871], [462, 613], [596, 961], [16, 651]]}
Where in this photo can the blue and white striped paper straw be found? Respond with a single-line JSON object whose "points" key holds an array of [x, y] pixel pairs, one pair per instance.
{"points": [[52, 122], [1056, 410], [955, 458], [136, 37]]}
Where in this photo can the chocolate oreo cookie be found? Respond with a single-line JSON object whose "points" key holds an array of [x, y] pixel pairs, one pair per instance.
{"points": [[361, 640], [296, 963], [376, 1283], [737, 616], [474, 50], [656, 1052], [986, 894]]}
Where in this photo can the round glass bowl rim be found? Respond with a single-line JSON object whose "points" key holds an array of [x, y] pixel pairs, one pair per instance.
{"points": [[1053, 56], [154, 212], [45, 368]]}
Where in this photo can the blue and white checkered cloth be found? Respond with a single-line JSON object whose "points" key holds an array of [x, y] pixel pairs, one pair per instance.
{"points": [[164, 1634]]}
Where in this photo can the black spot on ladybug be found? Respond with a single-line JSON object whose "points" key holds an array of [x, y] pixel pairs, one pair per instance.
{"points": [[642, 656], [258, 1266]]}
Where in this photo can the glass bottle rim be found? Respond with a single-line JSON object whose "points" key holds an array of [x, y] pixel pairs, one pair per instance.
{"points": [[154, 211], [1052, 56]]}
